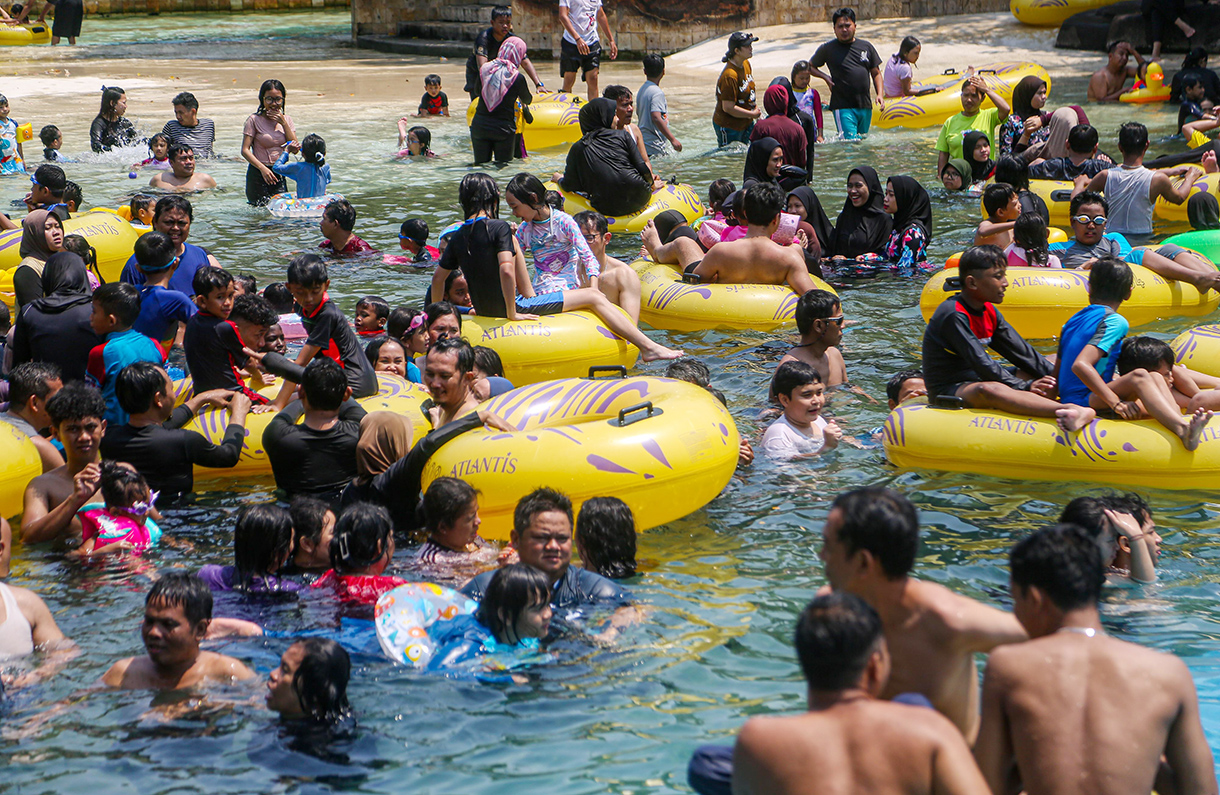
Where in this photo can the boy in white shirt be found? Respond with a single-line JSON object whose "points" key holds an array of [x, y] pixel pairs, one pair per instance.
{"points": [[802, 430], [580, 47]]}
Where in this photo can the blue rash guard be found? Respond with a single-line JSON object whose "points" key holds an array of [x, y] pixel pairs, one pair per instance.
{"points": [[1096, 325]]}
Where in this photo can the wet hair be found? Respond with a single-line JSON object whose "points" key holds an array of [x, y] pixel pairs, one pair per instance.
{"points": [[137, 385], [172, 202], [438, 309], [313, 150], [48, 134], [1112, 46], [119, 299], [187, 100], [538, 501], [718, 191], [424, 136], [415, 229], [850, 13], [1132, 138], [185, 589], [593, 219], [31, 379], [1141, 352], [110, 97], [1030, 233], [138, 203], [362, 536], [836, 636], [341, 212], [763, 201], [399, 322], [278, 295], [175, 149], [262, 92], [1131, 503], [432, 80], [453, 276], [77, 401], [798, 67], [1089, 514], [654, 66], [1062, 562], [882, 522], [814, 305], [255, 310], [379, 305], [1110, 279], [307, 270], [1190, 81], [981, 258], [605, 530], [1011, 170], [478, 193], [459, 348], [996, 197], [1088, 197], [793, 375], [893, 387], [904, 49], [324, 384], [500, 11], [320, 681], [262, 539], [79, 246], [308, 515], [554, 199], [616, 92], [445, 501], [209, 278], [121, 485], [487, 360], [249, 285], [73, 193], [527, 189], [373, 349], [690, 370], [512, 590], [51, 177]]}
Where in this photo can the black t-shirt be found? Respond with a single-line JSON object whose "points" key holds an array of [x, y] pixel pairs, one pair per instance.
{"points": [[1064, 168], [577, 587], [851, 68], [166, 454], [475, 248], [63, 338], [328, 329], [433, 105], [213, 352], [485, 44], [306, 461]]}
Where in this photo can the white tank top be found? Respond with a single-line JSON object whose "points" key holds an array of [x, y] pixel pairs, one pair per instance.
{"points": [[1127, 194], [16, 637]]}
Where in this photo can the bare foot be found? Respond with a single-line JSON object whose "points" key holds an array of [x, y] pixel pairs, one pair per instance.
{"points": [[1194, 429], [656, 352], [1208, 281], [652, 240], [1072, 418]]}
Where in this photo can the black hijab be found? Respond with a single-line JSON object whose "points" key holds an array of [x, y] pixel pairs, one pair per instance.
{"points": [[597, 115], [1203, 211], [862, 230], [65, 284], [979, 171], [914, 205], [815, 216], [757, 157]]}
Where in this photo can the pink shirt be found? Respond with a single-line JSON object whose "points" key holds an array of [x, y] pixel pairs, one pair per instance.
{"points": [[269, 139]]}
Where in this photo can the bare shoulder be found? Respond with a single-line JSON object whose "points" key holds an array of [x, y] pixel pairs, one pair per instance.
{"points": [[222, 668], [27, 600], [117, 675]]}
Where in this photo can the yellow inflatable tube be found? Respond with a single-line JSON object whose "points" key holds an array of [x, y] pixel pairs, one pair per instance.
{"points": [[21, 465], [18, 35], [931, 110], [1040, 300], [665, 447], [395, 394], [667, 302], [1208, 183], [1120, 453], [1151, 89], [1052, 13], [1199, 349], [554, 346], [671, 197], [555, 121]]}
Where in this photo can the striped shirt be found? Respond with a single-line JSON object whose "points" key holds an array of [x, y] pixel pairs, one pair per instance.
{"points": [[199, 138]]}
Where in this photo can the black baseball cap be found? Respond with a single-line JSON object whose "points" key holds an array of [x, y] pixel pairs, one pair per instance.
{"points": [[740, 39]]}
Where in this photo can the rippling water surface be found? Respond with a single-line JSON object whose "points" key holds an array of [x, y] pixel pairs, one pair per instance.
{"points": [[725, 583]]}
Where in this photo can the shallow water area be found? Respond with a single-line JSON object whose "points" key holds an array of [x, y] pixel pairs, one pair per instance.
{"points": [[725, 584]]}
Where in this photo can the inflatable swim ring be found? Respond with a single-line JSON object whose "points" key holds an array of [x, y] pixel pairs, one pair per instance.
{"points": [[15, 36], [932, 109], [113, 237], [1040, 300], [555, 121], [1205, 242], [287, 205], [665, 447], [21, 465], [1208, 183], [554, 346], [667, 302], [671, 197], [1139, 453], [1199, 349], [1053, 235], [1151, 89], [1052, 13], [402, 617], [395, 394], [1057, 193]]}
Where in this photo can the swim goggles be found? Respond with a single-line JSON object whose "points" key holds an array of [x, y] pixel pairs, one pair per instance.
{"points": [[416, 323], [142, 508], [1084, 220]]}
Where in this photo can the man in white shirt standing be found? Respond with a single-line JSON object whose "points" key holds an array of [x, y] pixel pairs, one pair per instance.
{"points": [[581, 48]]}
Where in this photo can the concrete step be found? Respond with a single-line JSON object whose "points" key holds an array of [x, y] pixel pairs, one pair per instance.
{"points": [[442, 31], [469, 12], [407, 46]]}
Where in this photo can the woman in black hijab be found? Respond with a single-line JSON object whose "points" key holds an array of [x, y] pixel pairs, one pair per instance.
{"points": [[56, 328], [764, 159], [909, 204], [805, 204], [979, 157], [863, 227], [606, 165]]}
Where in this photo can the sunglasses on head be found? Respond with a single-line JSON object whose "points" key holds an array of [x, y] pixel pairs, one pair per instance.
{"points": [[1084, 220]]}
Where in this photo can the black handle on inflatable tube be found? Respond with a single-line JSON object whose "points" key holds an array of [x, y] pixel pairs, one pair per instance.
{"points": [[625, 417], [613, 371], [953, 283], [688, 278], [1061, 195], [949, 71], [986, 72], [948, 402]]}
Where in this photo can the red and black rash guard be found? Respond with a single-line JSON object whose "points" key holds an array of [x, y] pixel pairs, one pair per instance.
{"points": [[955, 349], [328, 329], [214, 355]]}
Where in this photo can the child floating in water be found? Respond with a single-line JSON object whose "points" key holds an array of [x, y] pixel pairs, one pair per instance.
{"points": [[158, 147], [413, 238], [802, 431], [417, 141], [52, 139], [451, 510], [312, 175], [124, 524], [262, 546]]}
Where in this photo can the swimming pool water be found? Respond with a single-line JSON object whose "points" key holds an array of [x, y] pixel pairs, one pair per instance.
{"points": [[725, 584]]}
